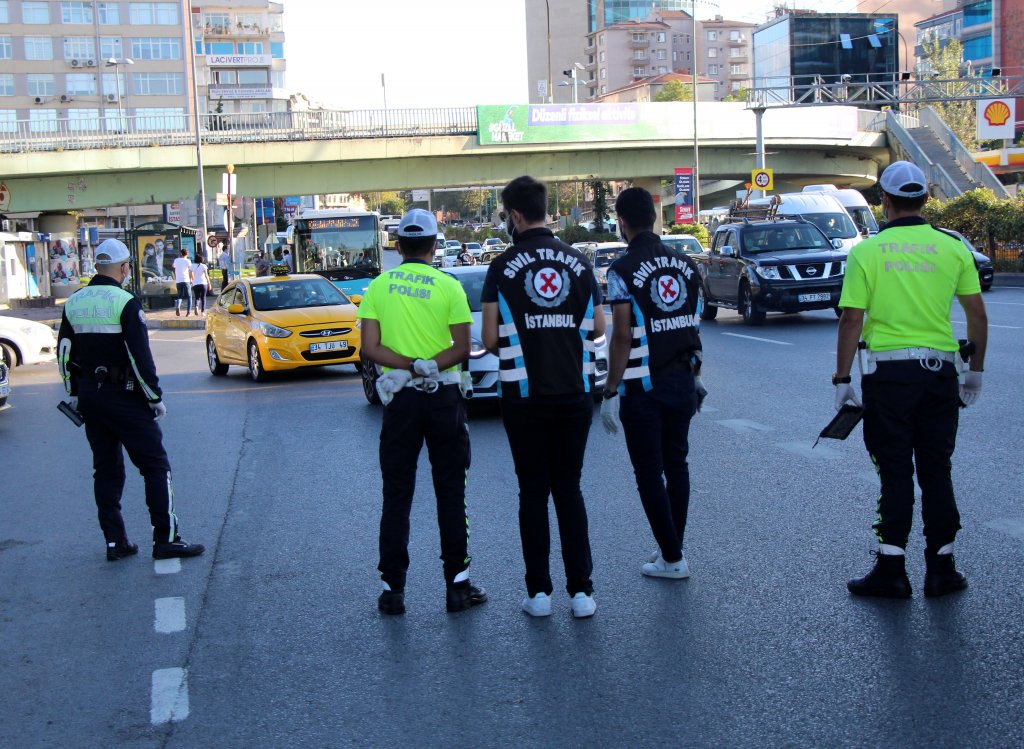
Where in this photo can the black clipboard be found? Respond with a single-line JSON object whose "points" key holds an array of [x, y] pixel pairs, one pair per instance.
{"points": [[844, 422]]}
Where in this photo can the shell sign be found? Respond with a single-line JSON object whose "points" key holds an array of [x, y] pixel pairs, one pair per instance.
{"points": [[995, 119]]}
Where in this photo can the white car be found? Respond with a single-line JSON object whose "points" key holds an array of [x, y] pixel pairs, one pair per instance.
{"points": [[5, 387], [26, 342]]}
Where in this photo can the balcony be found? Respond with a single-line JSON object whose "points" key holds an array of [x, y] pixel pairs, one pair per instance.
{"points": [[208, 31], [741, 42], [639, 60], [639, 43]]}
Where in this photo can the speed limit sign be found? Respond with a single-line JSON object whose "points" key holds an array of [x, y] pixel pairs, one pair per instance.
{"points": [[763, 179]]}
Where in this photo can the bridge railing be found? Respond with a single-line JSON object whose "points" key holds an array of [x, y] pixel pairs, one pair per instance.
{"points": [[897, 124], [136, 131], [979, 173]]}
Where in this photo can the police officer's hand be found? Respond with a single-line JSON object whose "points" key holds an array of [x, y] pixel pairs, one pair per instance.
{"points": [[426, 368], [702, 392], [390, 383], [844, 393], [159, 410], [970, 391], [610, 415], [73, 402]]}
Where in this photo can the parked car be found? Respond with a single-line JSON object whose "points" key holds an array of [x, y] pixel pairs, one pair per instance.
{"points": [[25, 342], [683, 243], [493, 243], [986, 273], [475, 247], [5, 386], [760, 266], [604, 254]]}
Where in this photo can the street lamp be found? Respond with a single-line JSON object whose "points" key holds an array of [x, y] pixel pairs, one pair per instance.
{"points": [[550, 93], [571, 75], [116, 64]]}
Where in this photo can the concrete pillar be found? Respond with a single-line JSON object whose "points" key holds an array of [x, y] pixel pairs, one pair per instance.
{"points": [[653, 186], [61, 256]]}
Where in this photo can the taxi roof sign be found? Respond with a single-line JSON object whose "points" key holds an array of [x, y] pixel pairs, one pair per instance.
{"points": [[279, 269]]}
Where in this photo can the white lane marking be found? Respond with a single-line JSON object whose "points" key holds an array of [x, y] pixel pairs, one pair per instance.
{"points": [[169, 697], [193, 339], [166, 566], [744, 426], [169, 615], [708, 409], [1006, 327], [1010, 526], [762, 340]]}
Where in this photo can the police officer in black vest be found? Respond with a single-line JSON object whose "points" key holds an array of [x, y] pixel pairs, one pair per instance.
{"points": [[108, 370], [541, 314], [654, 364]]}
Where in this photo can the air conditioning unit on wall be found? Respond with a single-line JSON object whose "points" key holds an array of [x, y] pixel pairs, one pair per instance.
{"points": [[112, 98], [7, 225], [41, 100], [65, 97], [76, 63], [90, 64]]}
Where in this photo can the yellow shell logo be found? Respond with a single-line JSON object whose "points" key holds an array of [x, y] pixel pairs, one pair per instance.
{"points": [[996, 113]]}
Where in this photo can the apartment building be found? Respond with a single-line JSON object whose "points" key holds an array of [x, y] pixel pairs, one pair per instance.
{"points": [[726, 54], [625, 52]]}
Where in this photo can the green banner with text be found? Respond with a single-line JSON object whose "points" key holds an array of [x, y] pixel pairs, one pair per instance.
{"points": [[566, 123]]}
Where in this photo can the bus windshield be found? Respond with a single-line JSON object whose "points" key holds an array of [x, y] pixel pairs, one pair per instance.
{"points": [[338, 242]]}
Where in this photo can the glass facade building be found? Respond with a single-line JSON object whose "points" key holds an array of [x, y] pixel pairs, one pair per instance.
{"points": [[607, 12]]}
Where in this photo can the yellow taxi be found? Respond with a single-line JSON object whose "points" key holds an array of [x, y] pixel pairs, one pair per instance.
{"points": [[280, 322]]}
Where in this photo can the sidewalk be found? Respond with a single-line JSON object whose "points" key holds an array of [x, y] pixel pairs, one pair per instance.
{"points": [[163, 319]]}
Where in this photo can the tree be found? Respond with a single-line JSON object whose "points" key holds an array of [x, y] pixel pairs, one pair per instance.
{"points": [[945, 63], [675, 91], [600, 205], [698, 231], [738, 95]]}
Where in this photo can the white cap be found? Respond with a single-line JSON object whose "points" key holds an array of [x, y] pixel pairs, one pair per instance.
{"points": [[417, 223], [904, 180], [111, 252]]}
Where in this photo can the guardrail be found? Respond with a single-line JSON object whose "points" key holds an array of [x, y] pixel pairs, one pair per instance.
{"points": [[138, 131], [936, 175], [979, 173]]}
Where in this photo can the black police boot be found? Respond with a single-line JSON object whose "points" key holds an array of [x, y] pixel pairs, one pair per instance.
{"points": [[117, 551], [941, 576], [177, 549], [391, 602], [887, 579], [463, 595]]}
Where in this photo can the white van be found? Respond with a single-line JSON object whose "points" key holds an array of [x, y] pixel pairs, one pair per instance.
{"points": [[822, 209], [855, 205]]}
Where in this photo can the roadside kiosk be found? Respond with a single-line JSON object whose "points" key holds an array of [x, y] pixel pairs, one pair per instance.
{"points": [[154, 247]]}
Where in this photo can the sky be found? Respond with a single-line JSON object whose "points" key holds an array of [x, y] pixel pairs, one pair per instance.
{"points": [[441, 53]]}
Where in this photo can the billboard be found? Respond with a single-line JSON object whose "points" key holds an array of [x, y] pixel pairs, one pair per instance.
{"points": [[561, 123], [684, 195], [995, 119]]}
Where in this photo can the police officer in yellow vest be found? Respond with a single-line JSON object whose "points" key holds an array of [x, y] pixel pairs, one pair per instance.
{"points": [[108, 370], [897, 294], [415, 323]]}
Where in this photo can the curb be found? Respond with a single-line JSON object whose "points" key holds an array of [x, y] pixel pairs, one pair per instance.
{"points": [[178, 324], [1012, 280]]}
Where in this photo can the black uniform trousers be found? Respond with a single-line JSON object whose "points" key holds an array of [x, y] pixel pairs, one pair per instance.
{"points": [[910, 419], [411, 418], [548, 439], [115, 417], [656, 424]]}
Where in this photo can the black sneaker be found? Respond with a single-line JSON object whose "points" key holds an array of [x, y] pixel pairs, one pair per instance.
{"points": [[391, 602], [941, 576], [887, 579], [120, 551], [464, 595], [177, 549]]}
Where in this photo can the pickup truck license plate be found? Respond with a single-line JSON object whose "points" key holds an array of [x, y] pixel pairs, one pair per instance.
{"points": [[5, 390], [814, 297], [328, 346]]}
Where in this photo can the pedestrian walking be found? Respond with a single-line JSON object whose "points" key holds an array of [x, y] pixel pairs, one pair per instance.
{"points": [[224, 263], [200, 283], [183, 280], [261, 264], [655, 358], [897, 294], [415, 323], [108, 370], [541, 314], [288, 260]]}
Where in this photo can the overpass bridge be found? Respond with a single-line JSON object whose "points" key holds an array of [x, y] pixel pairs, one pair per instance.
{"points": [[82, 165]]}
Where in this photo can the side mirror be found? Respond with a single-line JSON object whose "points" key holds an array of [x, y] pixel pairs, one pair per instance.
{"points": [[236, 309], [837, 243], [728, 251], [355, 298]]}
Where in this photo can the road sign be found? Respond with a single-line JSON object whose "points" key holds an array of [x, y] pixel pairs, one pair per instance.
{"points": [[232, 187], [421, 196], [222, 198], [763, 179], [5, 197]]}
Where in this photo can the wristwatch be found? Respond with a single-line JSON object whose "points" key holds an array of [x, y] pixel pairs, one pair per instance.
{"points": [[837, 380], [609, 394]]}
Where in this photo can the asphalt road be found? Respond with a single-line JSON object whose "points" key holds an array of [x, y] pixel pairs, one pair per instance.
{"points": [[272, 639]]}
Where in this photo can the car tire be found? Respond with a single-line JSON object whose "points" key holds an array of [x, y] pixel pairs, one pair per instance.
{"points": [[986, 286], [9, 354], [256, 370], [707, 311], [368, 373], [752, 314], [217, 368]]}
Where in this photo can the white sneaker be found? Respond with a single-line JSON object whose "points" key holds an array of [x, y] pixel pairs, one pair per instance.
{"points": [[539, 605], [660, 568], [583, 605]]}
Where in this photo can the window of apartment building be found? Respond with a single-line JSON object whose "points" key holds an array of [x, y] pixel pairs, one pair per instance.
{"points": [[601, 57], [79, 48], [712, 52], [976, 49], [253, 77], [600, 39], [219, 22], [153, 14], [737, 85], [737, 52], [249, 20], [277, 50], [6, 50], [110, 46], [8, 121], [604, 90], [712, 70], [5, 13], [157, 84], [83, 119], [662, 70], [38, 48], [112, 85], [252, 107], [712, 36], [225, 77], [662, 54], [661, 36], [737, 68], [249, 48], [156, 48], [675, 56], [42, 120], [109, 14], [35, 12], [734, 36], [220, 48], [277, 78], [160, 118], [604, 73], [638, 36], [76, 12], [978, 13], [40, 84], [80, 84], [639, 72], [6, 84]]}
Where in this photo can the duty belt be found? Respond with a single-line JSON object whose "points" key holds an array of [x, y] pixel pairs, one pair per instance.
{"points": [[908, 354], [431, 384], [102, 374]]}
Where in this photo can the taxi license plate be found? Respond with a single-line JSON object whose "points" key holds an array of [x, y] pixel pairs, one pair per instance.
{"points": [[814, 297], [328, 346]]}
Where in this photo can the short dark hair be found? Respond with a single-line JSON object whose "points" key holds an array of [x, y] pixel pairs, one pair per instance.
{"points": [[635, 207], [184, 252], [416, 245], [528, 196], [906, 205]]}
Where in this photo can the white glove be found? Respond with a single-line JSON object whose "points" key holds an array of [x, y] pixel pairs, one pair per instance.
{"points": [[466, 385], [610, 415], [390, 383], [702, 392], [73, 402], [426, 368], [970, 391], [159, 410], [845, 392]]}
